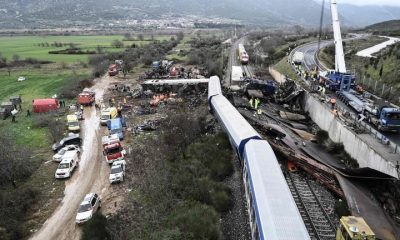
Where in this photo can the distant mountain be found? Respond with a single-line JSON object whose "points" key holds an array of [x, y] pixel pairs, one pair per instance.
{"points": [[69, 13], [387, 28], [361, 16]]}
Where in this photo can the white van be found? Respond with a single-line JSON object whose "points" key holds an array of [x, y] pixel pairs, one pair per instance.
{"points": [[67, 165]]}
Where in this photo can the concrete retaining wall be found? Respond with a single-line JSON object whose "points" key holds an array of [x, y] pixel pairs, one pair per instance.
{"points": [[359, 149]]}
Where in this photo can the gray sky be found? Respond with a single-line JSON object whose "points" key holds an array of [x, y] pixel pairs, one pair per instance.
{"points": [[370, 2]]}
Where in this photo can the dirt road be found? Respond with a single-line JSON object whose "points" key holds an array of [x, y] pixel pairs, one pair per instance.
{"points": [[91, 176]]}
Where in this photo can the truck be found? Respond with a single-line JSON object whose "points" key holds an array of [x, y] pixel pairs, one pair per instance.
{"points": [[112, 70], [112, 148], [384, 118], [115, 126], [73, 123], [236, 75], [107, 114], [298, 58], [86, 98]]}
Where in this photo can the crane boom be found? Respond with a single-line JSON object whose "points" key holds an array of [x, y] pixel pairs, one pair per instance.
{"points": [[340, 65]]}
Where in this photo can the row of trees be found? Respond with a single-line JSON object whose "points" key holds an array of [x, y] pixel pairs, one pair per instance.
{"points": [[57, 44]]}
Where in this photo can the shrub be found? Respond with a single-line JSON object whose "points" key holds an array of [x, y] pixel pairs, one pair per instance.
{"points": [[95, 228], [197, 221], [321, 136]]}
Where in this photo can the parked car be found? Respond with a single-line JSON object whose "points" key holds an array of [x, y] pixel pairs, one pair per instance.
{"points": [[89, 206], [71, 139], [67, 165], [58, 156], [20, 79], [117, 171]]}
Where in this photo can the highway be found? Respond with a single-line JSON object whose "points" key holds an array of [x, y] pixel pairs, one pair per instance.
{"points": [[310, 60]]}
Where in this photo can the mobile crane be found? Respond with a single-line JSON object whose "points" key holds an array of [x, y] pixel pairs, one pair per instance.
{"points": [[378, 113]]}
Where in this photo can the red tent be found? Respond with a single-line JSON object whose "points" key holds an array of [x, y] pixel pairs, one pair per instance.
{"points": [[44, 105]]}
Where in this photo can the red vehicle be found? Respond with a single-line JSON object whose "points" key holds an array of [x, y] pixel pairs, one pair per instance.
{"points": [[86, 98], [112, 148], [113, 70], [44, 105]]}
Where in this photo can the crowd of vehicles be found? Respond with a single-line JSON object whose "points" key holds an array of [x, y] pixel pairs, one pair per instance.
{"points": [[242, 55]]}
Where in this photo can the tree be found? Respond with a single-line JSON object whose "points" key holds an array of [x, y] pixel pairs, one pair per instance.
{"points": [[16, 58], [95, 228], [140, 37], [381, 71], [180, 36], [99, 49], [127, 36], [126, 67], [117, 44]]}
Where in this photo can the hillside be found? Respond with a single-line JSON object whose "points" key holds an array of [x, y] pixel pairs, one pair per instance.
{"points": [[391, 28], [95, 13]]}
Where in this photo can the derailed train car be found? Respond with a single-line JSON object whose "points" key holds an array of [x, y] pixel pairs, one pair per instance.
{"points": [[272, 210]]}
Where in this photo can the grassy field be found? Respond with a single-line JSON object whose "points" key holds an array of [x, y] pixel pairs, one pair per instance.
{"points": [[29, 46], [40, 83]]}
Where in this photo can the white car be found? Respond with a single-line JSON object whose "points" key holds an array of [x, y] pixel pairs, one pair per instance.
{"points": [[89, 206], [67, 165], [59, 155], [117, 171], [20, 79]]}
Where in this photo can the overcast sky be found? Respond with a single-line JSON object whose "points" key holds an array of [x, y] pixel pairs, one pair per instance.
{"points": [[367, 2]]}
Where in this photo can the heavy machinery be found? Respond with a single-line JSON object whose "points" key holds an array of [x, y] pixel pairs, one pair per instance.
{"points": [[354, 228], [384, 117]]}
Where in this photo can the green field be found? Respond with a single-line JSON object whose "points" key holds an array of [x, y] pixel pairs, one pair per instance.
{"points": [[39, 83], [28, 46]]}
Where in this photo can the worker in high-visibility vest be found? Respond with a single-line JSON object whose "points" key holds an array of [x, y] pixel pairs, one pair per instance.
{"points": [[256, 103], [323, 91], [251, 102]]}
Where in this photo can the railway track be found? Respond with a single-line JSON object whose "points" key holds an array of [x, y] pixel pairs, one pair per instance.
{"points": [[315, 218], [247, 71]]}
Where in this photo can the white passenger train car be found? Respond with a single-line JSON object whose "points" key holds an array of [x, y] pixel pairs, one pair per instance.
{"points": [[272, 211]]}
